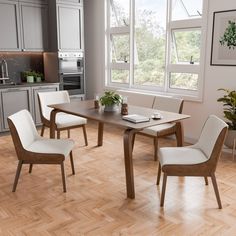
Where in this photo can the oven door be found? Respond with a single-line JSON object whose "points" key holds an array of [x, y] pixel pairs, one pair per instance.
{"points": [[67, 65], [73, 83]]}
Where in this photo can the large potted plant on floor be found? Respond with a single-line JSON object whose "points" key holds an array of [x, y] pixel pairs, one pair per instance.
{"points": [[229, 106], [111, 100]]}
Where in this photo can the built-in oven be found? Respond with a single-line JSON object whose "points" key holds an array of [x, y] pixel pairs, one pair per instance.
{"points": [[66, 68], [72, 82]]}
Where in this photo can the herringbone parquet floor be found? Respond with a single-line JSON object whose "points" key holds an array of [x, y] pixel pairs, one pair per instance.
{"points": [[95, 203]]}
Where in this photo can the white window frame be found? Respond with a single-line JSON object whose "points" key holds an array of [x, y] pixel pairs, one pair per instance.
{"points": [[187, 94]]}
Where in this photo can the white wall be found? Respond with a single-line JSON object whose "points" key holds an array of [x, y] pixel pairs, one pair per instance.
{"points": [[215, 76]]}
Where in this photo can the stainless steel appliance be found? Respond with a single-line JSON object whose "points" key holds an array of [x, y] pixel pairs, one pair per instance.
{"points": [[66, 68]]}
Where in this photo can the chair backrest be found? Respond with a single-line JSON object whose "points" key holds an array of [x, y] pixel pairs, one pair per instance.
{"points": [[138, 99], [212, 137], [49, 98], [170, 104], [22, 128]]}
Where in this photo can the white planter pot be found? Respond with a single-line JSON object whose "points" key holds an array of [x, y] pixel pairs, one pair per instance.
{"points": [[229, 140], [111, 108]]}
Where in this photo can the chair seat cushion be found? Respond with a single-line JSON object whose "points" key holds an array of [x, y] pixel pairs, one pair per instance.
{"points": [[159, 129], [55, 146], [181, 156], [64, 120]]}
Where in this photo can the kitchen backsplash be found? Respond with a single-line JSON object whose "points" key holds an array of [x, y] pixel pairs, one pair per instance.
{"points": [[19, 62]]}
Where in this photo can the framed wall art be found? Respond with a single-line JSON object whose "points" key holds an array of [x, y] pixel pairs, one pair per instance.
{"points": [[223, 47]]}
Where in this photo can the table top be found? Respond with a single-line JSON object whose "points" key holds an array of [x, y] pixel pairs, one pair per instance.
{"points": [[86, 109]]}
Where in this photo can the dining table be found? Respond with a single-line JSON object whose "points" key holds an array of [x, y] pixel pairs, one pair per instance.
{"points": [[87, 110]]}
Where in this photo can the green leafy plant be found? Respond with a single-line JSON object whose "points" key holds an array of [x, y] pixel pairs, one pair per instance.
{"points": [[229, 104], [110, 98], [229, 37], [29, 73]]}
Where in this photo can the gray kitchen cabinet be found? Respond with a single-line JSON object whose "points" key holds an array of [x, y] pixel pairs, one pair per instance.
{"points": [[70, 27], [9, 25], [34, 26], [70, 1], [35, 91], [14, 100], [35, 1]]}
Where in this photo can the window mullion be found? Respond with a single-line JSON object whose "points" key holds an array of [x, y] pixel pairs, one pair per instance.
{"points": [[132, 25]]}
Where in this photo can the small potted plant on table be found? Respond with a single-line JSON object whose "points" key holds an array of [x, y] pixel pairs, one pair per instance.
{"points": [[111, 100]]}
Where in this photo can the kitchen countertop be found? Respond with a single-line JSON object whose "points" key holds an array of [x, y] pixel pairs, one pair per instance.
{"points": [[9, 85]]}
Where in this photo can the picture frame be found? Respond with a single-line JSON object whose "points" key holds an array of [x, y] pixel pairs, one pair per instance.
{"points": [[223, 46]]}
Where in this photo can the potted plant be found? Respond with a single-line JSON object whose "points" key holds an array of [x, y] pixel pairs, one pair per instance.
{"points": [[110, 100], [38, 77], [29, 76], [229, 104]]}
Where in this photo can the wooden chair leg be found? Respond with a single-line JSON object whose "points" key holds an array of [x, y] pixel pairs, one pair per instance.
{"points": [[72, 163], [63, 177], [159, 174], [17, 175], [155, 142], [58, 134], [163, 190], [206, 180], [30, 168], [42, 130], [85, 135], [68, 133], [213, 178]]}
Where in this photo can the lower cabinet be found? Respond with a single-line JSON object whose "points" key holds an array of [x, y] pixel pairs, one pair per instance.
{"points": [[35, 91], [13, 100]]}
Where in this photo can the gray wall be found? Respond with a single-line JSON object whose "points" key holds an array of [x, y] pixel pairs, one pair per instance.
{"points": [[94, 18]]}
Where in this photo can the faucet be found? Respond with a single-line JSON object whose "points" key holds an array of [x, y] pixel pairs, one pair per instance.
{"points": [[4, 71]]}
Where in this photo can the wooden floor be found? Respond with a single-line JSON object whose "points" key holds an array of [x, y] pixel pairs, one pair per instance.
{"points": [[95, 203]]}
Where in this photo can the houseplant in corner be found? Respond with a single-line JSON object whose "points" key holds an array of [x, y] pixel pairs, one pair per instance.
{"points": [[229, 104], [110, 100]]}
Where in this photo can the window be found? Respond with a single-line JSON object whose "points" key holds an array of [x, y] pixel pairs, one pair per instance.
{"points": [[156, 45]]}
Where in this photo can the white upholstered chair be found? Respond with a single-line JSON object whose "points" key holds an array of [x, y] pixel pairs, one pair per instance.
{"points": [[31, 148], [199, 159], [64, 121], [170, 104]]}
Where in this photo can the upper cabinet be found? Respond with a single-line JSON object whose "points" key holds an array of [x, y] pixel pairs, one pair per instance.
{"points": [[9, 25], [34, 22], [69, 25], [24, 25], [66, 25]]}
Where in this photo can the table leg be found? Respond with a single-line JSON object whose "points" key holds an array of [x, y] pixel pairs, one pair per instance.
{"points": [[100, 133], [179, 134], [53, 123], [128, 140]]}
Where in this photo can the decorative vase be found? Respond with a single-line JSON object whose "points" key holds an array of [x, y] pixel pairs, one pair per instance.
{"points": [[111, 108], [229, 140]]}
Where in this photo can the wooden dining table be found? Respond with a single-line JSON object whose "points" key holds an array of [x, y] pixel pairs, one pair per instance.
{"points": [[86, 109]]}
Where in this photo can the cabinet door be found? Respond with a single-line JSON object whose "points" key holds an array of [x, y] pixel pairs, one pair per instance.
{"points": [[36, 90], [34, 21], [14, 100], [35, 1], [9, 25], [69, 25], [70, 1]]}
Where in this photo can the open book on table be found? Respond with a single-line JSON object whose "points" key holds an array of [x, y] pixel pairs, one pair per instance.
{"points": [[136, 118]]}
